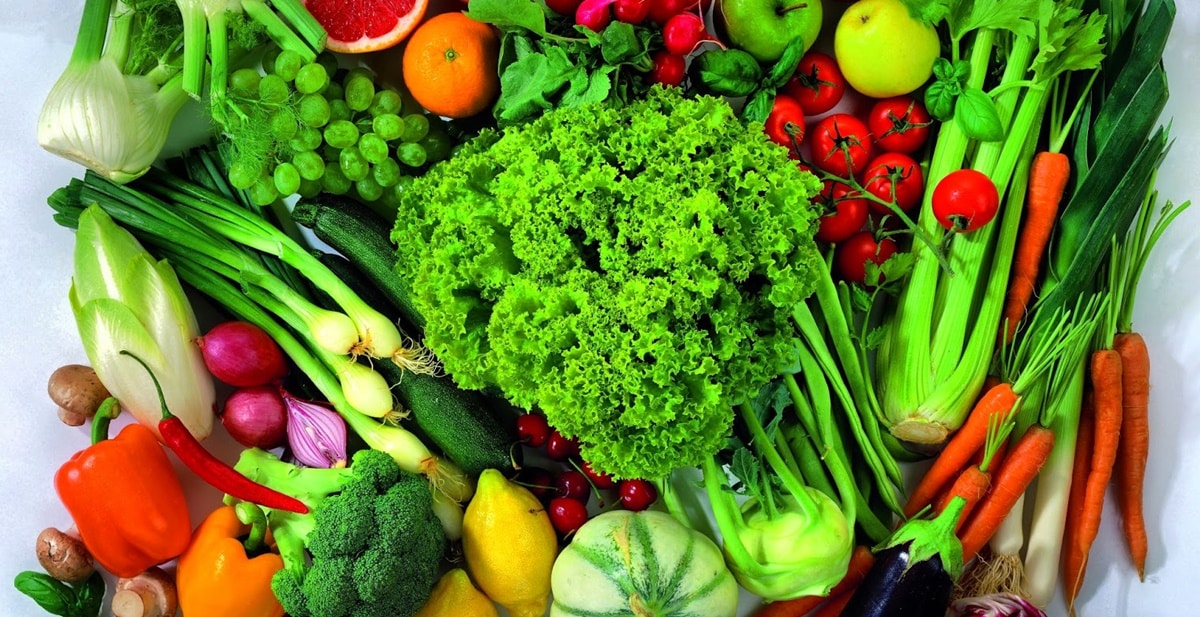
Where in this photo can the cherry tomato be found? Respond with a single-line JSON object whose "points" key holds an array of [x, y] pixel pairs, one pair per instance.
{"points": [[785, 124], [846, 213], [841, 144], [599, 479], [853, 255], [818, 84], [574, 485], [683, 32], [632, 11], [636, 495], [669, 69], [533, 430], [567, 515], [563, 7], [561, 448], [897, 178], [965, 200], [899, 124]]}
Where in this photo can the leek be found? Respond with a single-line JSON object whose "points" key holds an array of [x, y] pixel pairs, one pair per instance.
{"points": [[125, 300]]}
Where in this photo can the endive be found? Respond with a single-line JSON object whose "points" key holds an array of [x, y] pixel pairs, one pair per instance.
{"points": [[123, 299]]}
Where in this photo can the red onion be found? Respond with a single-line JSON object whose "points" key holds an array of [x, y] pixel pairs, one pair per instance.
{"points": [[995, 605], [316, 433], [256, 417], [241, 354]]}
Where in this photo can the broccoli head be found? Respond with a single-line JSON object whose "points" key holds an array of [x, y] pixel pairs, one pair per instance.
{"points": [[371, 544], [631, 270]]}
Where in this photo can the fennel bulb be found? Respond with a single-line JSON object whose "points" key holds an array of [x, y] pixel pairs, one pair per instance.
{"points": [[123, 299]]}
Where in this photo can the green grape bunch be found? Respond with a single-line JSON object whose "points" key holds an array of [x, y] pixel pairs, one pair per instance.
{"points": [[297, 128]]}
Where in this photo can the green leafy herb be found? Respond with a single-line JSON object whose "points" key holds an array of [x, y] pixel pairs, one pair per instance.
{"points": [[975, 112], [59, 598], [785, 67], [931, 12], [759, 105], [1068, 43], [726, 72], [1011, 15], [524, 14]]}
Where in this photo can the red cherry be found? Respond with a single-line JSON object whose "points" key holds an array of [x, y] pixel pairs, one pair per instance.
{"points": [[637, 495], [533, 430], [573, 485], [539, 481], [561, 448], [567, 515], [599, 479]]}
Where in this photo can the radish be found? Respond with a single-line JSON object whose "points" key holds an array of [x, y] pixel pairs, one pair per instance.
{"points": [[669, 69], [594, 14], [683, 33], [632, 11]]}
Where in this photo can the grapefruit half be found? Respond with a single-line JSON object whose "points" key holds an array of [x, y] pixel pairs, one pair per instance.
{"points": [[360, 26]]}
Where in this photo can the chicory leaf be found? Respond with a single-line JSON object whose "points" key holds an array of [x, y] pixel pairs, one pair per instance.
{"points": [[726, 72], [976, 115]]}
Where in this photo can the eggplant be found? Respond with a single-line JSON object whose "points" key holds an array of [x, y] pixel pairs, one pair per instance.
{"points": [[914, 570]]}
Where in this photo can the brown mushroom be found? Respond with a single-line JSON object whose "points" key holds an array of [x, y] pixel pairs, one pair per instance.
{"points": [[77, 391], [64, 556], [149, 594]]}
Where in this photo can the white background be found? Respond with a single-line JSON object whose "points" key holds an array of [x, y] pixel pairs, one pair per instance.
{"points": [[37, 333]]}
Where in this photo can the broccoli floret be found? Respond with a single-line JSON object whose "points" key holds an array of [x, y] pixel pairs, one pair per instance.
{"points": [[370, 545]]}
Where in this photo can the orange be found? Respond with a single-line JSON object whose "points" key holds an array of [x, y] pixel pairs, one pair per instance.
{"points": [[450, 65], [359, 26]]}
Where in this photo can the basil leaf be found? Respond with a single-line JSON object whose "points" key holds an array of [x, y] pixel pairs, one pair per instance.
{"points": [[962, 70], [976, 115], [726, 72], [785, 67], [939, 99], [758, 107], [54, 596], [527, 14], [943, 70], [89, 596]]}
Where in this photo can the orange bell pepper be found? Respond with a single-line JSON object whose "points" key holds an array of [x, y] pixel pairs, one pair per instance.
{"points": [[125, 498], [216, 577]]}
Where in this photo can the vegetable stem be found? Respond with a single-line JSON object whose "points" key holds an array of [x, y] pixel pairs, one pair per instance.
{"points": [[93, 30]]}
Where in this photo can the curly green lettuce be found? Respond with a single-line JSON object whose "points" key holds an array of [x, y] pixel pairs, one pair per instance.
{"points": [[629, 270]]}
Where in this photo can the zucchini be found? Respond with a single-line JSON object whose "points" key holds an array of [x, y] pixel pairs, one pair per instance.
{"points": [[362, 236], [465, 425]]}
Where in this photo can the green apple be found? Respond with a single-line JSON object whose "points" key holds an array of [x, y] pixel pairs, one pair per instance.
{"points": [[882, 50], [763, 28]]}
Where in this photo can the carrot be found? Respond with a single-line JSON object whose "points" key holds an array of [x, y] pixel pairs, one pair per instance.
{"points": [[1048, 178], [861, 561], [1134, 446], [972, 484], [1105, 371], [835, 605], [1020, 467], [1074, 561], [969, 439]]}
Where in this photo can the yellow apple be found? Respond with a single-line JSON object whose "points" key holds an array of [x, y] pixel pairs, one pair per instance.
{"points": [[882, 50]]}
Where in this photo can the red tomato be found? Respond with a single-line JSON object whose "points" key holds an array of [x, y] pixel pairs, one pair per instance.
{"points": [[632, 11], [841, 145], [897, 178], [785, 124], [845, 212], [899, 124], [853, 255], [965, 200], [669, 69], [818, 84], [563, 7]]}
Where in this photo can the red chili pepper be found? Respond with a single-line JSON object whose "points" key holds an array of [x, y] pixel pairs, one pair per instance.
{"points": [[210, 468]]}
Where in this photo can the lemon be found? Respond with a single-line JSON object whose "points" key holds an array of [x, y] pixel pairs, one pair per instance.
{"points": [[455, 596], [509, 545]]}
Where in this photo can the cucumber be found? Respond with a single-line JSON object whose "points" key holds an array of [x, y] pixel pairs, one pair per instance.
{"points": [[362, 236], [465, 425]]}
